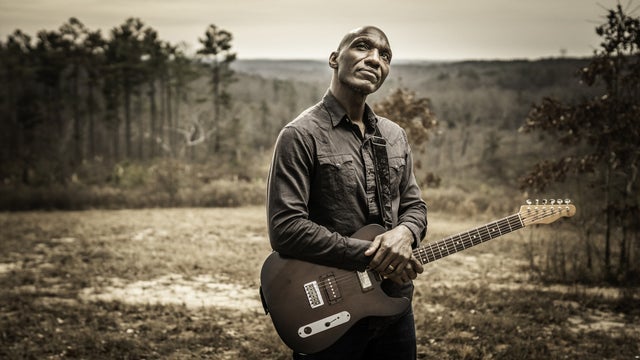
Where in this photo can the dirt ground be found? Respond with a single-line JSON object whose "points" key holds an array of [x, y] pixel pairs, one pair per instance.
{"points": [[207, 261]]}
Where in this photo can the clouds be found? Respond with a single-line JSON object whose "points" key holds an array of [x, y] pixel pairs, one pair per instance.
{"points": [[418, 29]]}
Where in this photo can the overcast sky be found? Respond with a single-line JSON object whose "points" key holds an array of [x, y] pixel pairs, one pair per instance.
{"points": [[417, 29]]}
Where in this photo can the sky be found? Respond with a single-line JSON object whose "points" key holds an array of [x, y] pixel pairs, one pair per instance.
{"points": [[301, 29]]}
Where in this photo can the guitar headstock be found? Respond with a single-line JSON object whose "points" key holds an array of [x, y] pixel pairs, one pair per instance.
{"points": [[545, 211]]}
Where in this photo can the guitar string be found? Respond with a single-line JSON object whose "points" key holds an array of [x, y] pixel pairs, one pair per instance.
{"points": [[348, 278]]}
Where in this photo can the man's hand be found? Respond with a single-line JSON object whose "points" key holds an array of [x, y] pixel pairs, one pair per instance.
{"points": [[392, 255]]}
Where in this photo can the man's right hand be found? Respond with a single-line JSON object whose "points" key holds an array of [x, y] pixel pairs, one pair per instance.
{"points": [[410, 272]]}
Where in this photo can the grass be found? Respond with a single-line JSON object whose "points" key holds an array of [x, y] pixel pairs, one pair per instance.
{"points": [[473, 305]]}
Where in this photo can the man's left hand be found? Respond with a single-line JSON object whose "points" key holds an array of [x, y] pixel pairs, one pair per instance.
{"points": [[392, 255]]}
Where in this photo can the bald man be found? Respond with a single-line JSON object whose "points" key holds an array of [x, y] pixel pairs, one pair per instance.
{"points": [[329, 178]]}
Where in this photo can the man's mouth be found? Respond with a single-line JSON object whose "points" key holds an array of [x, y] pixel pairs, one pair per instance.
{"points": [[370, 74]]}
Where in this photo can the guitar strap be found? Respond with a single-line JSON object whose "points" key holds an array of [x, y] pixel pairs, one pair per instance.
{"points": [[383, 177]]}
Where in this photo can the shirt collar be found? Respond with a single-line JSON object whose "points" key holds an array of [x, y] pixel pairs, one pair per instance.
{"points": [[338, 114]]}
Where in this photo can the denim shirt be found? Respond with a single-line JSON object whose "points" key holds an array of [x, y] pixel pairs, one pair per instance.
{"points": [[322, 189]]}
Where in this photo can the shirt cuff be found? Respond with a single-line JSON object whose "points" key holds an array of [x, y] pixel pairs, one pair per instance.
{"points": [[354, 253]]}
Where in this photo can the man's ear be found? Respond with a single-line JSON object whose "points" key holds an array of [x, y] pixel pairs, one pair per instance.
{"points": [[333, 60]]}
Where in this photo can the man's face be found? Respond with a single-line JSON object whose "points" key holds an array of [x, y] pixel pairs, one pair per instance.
{"points": [[363, 60]]}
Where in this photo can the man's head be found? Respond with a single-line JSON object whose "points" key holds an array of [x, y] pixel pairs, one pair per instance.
{"points": [[362, 60]]}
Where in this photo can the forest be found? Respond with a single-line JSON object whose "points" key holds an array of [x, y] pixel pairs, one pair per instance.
{"points": [[127, 120]]}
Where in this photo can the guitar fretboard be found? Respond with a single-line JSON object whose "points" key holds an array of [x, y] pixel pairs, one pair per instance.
{"points": [[455, 243]]}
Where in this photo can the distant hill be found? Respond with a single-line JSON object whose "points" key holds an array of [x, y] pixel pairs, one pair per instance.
{"points": [[299, 70], [480, 105], [460, 85], [431, 77]]}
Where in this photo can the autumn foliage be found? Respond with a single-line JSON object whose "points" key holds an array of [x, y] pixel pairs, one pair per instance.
{"points": [[412, 113]]}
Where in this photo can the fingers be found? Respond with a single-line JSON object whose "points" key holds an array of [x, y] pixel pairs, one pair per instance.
{"points": [[375, 244], [416, 265], [391, 252], [408, 273], [396, 268]]}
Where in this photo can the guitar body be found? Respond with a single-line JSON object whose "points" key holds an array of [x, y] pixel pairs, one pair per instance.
{"points": [[312, 306]]}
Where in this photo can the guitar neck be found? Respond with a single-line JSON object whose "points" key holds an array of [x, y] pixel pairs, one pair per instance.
{"points": [[462, 241]]}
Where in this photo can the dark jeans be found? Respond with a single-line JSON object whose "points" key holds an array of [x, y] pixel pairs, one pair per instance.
{"points": [[373, 338]]}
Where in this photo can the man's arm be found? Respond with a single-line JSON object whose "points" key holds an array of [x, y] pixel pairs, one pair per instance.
{"points": [[288, 190]]}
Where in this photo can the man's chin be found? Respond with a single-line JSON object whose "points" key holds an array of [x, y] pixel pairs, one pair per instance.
{"points": [[364, 88]]}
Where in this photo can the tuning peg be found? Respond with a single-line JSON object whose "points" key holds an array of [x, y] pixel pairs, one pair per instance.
{"points": [[567, 201], [544, 201], [552, 201], [528, 201]]}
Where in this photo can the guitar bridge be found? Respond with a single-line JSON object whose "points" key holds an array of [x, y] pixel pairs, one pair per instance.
{"points": [[313, 294]]}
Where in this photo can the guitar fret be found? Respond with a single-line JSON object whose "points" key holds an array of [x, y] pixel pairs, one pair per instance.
{"points": [[458, 244], [477, 238], [422, 255], [439, 249], [464, 247], [492, 230], [468, 241], [484, 234], [444, 244], [433, 253]]}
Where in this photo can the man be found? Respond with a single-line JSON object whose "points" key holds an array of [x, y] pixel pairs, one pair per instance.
{"points": [[328, 178]]}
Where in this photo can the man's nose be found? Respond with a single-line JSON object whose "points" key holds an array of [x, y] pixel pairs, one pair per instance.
{"points": [[373, 59]]}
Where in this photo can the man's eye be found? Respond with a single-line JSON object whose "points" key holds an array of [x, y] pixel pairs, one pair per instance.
{"points": [[362, 46]]}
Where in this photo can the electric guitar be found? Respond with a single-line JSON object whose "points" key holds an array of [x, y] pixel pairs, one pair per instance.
{"points": [[312, 306]]}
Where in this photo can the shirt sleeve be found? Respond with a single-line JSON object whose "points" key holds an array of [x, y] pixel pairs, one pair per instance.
{"points": [[288, 190]]}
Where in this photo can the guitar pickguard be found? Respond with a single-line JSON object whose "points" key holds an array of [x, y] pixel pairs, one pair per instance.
{"points": [[325, 324]]}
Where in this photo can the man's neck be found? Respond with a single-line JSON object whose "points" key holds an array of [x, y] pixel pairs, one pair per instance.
{"points": [[352, 101]]}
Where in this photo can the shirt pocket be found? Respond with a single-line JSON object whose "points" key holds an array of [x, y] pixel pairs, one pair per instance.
{"points": [[396, 172], [337, 175]]}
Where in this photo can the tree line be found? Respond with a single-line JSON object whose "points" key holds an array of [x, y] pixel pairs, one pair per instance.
{"points": [[73, 94]]}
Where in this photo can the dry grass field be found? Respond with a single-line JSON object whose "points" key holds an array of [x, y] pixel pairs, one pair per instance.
{"points": [[182, 284]]}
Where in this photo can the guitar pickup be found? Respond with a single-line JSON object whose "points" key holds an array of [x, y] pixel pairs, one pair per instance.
{"points": [[365, 280], [331, 288]]}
